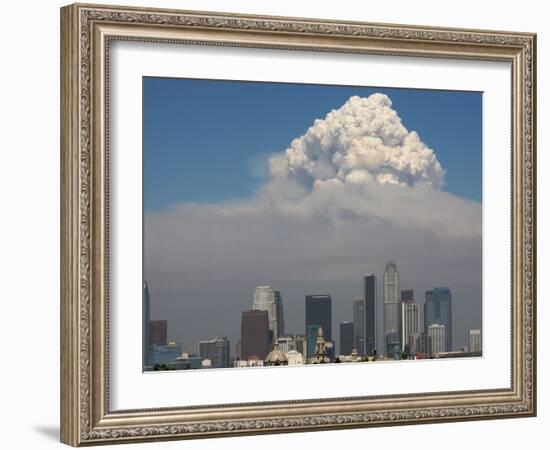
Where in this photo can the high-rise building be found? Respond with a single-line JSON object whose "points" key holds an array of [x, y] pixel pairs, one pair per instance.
{"points": [[216, 350], [346, 338], [255, 334], [437, 332], [474, 339], [359, 325], [146, 313], [410, 324], [268, 299], [428, 308], [158, 332], [438, 309], [391, 309], [319, 312], [369, 297]]}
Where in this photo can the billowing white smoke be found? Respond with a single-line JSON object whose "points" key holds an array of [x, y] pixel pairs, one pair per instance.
{"points": [[360, 163], [364, 140]]}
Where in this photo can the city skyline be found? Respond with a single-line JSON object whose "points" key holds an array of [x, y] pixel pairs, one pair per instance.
{"points": [[267, 308], [307, 200]]}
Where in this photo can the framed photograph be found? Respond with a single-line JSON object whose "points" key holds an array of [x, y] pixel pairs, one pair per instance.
{"points": [[276, 224]]}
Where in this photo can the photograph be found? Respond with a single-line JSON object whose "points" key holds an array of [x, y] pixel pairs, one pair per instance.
{"points": [[289, 224]]}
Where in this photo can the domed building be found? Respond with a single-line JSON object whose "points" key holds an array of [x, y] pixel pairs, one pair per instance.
{"points": [[276, 357]]}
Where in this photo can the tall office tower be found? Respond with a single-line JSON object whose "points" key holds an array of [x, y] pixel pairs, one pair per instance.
{"points": [[474, 339], [359, 325], [216, 350], [391, 309], [369, 296], [410, 324], [438, 309], [146, 313], [221, 352], [319, 312], [255, 334], [311, 341], [158, 332], [407, 296], [268, 299], [437, 332], [346, 338], [428, 307]]}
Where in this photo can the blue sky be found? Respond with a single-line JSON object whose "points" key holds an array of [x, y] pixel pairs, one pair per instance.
{"points": [[205, 141]]}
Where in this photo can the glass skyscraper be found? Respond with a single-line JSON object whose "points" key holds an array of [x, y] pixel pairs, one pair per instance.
{"points": [[391, 309], [359, 325], [369, 297], [346, 338], [268, 299], [319, 312], [438, 309]]}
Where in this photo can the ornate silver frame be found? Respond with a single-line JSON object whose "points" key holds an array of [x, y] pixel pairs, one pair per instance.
{"points": [[86, 31]]}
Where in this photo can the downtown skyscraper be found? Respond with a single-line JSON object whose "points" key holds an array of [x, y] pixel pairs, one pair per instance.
{"points": [[410, 325], [346, 338], [437, 334], [158, 332], [359, 325], [391, 309], [369, 297], [319, 312], [216, 350], [268, 299], [255, 334], [438, 310]]}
